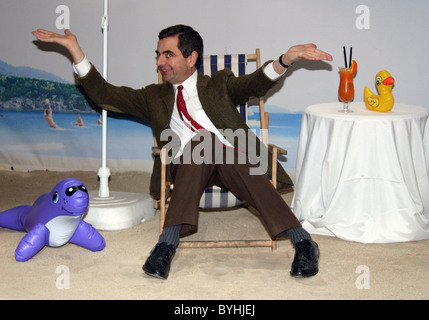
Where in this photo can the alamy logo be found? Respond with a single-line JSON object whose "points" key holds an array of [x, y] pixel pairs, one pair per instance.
{"points": [[63, 280], [63, 20], [362, 21], [362, 281], [207, 148]]}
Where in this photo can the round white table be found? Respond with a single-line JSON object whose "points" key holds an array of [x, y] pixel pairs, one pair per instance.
{"points": [[363, 176]]}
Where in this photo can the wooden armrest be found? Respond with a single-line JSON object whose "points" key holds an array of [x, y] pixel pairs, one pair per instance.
{"points": [[276, 151], [279, 150], [156, 151]]}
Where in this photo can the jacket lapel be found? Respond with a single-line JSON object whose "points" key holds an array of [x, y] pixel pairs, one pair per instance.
{"points": [[168, 99], [205, 94], [221, 115]]}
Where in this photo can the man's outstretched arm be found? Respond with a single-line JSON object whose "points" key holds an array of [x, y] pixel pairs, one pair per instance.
{"points": [[67, 40], [298, 52]]}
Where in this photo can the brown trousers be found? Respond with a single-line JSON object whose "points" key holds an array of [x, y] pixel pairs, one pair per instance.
{"points": [[191, 177]]}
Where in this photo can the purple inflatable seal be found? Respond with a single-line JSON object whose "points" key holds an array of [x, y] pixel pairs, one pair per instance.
{"points": [[53, 220]]}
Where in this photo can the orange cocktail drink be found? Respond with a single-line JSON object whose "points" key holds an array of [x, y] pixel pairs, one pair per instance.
{"points": [[346, 90]]}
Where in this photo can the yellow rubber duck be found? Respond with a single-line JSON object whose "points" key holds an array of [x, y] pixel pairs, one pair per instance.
{"points": [[384, 102]]}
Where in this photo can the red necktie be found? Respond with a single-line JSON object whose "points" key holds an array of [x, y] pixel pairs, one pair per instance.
{"points": [[183, 111]]}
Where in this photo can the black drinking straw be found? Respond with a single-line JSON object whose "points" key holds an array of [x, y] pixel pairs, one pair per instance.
{"points": [[345, 57], [350, 58]]}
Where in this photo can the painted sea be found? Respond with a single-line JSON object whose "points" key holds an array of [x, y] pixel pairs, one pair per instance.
{"points": [[27, 141]]}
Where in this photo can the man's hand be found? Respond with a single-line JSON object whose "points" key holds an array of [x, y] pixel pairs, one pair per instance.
{"points": [[303, 51], [68, 40]]}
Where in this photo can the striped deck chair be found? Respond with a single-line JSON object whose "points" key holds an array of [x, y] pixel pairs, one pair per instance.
{"points": [[215, 197]]}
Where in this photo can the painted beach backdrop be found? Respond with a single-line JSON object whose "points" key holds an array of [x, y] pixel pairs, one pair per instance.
{"points": [[29, 142]]}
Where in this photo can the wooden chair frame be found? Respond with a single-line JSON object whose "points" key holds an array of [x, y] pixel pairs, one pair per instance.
{"points": [[166, 187]]}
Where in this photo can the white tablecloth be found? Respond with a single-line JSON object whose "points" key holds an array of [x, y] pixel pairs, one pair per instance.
{"points": [[363, 176]]}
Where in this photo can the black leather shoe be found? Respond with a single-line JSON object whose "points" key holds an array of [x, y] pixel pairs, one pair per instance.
{"points": [[159, 261], [306, 261]]}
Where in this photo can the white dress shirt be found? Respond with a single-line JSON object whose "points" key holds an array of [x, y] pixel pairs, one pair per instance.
{"points": [[193, 105]]}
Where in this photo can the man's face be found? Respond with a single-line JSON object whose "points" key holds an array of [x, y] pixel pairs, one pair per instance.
{"points": [[171, 63]]}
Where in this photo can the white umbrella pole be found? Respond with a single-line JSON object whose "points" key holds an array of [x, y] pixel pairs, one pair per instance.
{"points": [[114, 210], [104, 172]]}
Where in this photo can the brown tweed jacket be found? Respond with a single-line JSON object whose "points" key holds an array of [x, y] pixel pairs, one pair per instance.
{"points": [[219, 96]]}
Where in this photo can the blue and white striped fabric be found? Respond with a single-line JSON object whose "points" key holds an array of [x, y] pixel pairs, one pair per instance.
{"points": [[215, 197], [235, 62]]}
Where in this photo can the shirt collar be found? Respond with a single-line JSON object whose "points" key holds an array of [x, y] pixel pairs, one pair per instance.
{"points": [[190, 84]]}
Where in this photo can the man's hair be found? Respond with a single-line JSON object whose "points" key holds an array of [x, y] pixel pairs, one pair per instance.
{"points": [[189, 41]]}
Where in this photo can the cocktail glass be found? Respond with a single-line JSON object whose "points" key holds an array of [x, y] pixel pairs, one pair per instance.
{"points": [[346, 90]]}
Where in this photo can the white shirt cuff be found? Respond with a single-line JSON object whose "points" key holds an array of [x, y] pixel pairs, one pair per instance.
{"points": [[82, 68], [271, 73]]}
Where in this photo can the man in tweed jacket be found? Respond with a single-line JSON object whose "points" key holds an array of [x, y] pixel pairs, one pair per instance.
{"points": [[211, 102]]}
